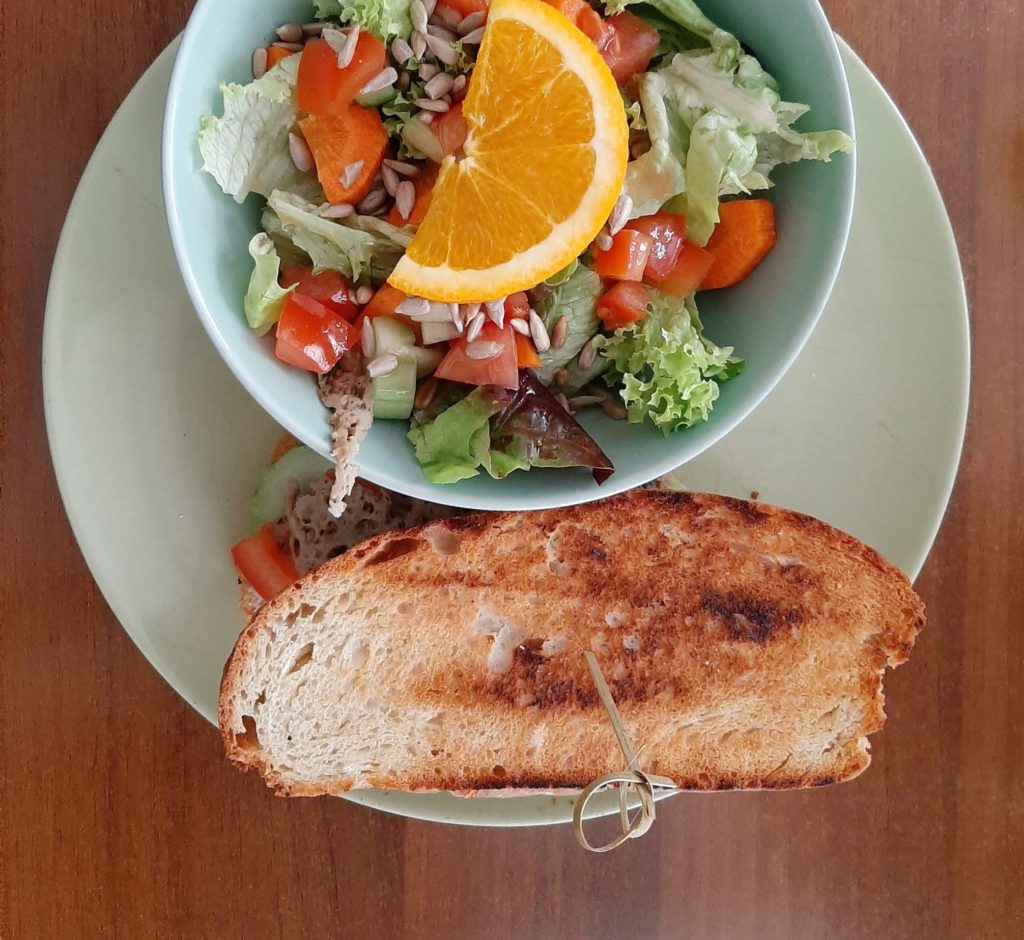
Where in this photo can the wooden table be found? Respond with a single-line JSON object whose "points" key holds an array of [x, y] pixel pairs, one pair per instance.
{"points": [[120, 817]]}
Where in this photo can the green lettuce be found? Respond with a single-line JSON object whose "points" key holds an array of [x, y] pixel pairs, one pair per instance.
{"points": [[652, 179], [265, 297], [456, 443], [575, 299], [356, 246], [246, 150], [383, 18], [668, 371]]}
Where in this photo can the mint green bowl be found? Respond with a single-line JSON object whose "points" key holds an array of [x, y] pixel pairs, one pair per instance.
{"points": [[768, 318]]}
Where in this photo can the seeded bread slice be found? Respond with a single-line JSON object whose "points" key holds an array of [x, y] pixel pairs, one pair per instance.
{"points": [[745, 646]]}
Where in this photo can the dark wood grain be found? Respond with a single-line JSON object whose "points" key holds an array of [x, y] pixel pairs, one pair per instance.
{"points": [[119, 817]]}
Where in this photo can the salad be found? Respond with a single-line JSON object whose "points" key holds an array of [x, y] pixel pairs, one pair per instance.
{"points": [[362, 131]]}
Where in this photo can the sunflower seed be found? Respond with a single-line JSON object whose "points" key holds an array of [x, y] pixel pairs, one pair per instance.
{"points": [[559, 333], [430, 6], [372, 202], [382, 365], [447, 17], [390, 179], [560, 377], [425, 117], [459, 84], [351, 173], [587, 355], [401, 51], [367, 340], [620, 214], [364, 295], [418, 15], [563, 401], [402, 168], [301, 155], [539, 332], [427, 71], [495, 310], [426, 394], [455, 312], [414, 307], [439, 85], [584, 401], [313, 29], [334, 38], [382, 79], [404, 81], [614, 410], [476, 324], [439, 32], [468, 23], [340, 210], [443, 50], [482, 350], [419, 45], [289, 46], [603, 240], [405, 197], [428, 104], [346, 48], [474, 38], [520, 326], [259, 62]]}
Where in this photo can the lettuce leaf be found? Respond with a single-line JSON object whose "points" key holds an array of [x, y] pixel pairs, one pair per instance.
{"points": [[456, 443], [668, 371], [246, 150], [652, 179], [575, 299], [265, 296], [356, 246], [384, 18]]}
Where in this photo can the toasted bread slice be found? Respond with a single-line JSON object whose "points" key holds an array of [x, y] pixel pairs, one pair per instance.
{"points": [[744, 645]]}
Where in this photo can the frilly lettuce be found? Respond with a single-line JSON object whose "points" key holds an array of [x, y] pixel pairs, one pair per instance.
{"points": [[356, 246], [265, 297], [668, 371], [246, 150], [383, 18]]}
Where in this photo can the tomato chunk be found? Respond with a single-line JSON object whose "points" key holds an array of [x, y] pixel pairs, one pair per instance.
{"points": [[589, 22], [324, 89], [627, 257], [628, 45], [312, 337], [451, 130], [625, 303], [526, 352], [352, 137], [465, 7], [262, 563], [517, 305], [500, 369], [689, 272], [328, 287], [667, 232]]}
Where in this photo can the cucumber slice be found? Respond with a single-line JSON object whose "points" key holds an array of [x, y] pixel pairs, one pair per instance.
{"points": [[393, 394], [300, 463], [427, 360], [392, 336], [437, 332], [374, 99]]}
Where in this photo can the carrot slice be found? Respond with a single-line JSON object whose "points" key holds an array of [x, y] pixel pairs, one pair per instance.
{"points": [[744, 235], [275, 54], [323, 88], [424, 184], [354, 137], [526, 353]]}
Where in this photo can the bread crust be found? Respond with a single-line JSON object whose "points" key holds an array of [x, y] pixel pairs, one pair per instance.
{"points": [[744, 645]]}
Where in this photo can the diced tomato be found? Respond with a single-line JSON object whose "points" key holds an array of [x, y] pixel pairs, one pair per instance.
{"points": [[312, 337], [628, 45], [517, 305], [667, 232], [354, 136], [526, 352], [424, 184], [275, 54], [324, 89], [627, 257], [625, 303], [465, 7], [689, 272], [451, 130], [262, 563], [589, 22], [328, 287], [501, 369]]}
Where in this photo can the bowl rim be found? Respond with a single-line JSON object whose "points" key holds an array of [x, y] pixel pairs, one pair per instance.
{"points": [[497, 498]]}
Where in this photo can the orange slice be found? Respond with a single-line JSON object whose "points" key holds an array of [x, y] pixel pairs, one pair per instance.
{"points": [[544, 163]]}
